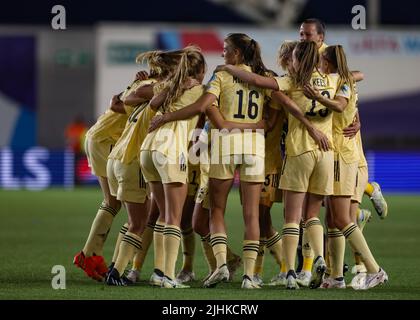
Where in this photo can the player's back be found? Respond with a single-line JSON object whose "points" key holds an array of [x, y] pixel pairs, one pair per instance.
{"points": [[173, 137], [298, 139], [239, 101]]}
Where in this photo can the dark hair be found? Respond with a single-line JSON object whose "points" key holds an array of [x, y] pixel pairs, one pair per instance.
{"points": [[320, 26], [250, 50]]}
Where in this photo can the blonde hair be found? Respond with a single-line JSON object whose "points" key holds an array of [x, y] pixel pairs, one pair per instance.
{"points": [[336, 56], [285, 53], [161, 63], [306, 52], [191, 64]]}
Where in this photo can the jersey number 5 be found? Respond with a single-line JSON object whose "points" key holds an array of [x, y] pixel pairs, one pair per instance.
{"points": [[252, 106]]}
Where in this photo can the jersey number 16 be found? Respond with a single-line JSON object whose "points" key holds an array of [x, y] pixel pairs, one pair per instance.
{"points": [[252, 106]]}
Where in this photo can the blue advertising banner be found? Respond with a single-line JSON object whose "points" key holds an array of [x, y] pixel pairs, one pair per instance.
{"points": [[396, 172], [36, 168], [18, 91]]}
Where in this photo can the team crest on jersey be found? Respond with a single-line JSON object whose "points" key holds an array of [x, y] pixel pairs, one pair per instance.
{"points": [[345, 88]]}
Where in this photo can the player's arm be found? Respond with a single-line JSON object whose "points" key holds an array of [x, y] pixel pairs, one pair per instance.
{"points": [[116, 104], [187, 112], [337, 104], [159, 99], [319, 137], [140, 95], [352, 129], [216, 118], [249, 77], [271, 118], [358, 76]]}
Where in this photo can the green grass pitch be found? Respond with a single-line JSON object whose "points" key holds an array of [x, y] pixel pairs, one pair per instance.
{"points": [[41, 229]]}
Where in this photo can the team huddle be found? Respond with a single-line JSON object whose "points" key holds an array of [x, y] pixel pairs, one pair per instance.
{"points": [[168, 149]]}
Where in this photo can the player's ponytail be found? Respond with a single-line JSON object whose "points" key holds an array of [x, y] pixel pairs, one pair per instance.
{"points": [[253, 58], [336, 56], [250, 51], [306, 53]]}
